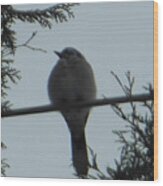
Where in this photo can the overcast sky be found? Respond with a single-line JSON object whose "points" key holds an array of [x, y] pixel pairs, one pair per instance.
{"points": [[113, 37]]}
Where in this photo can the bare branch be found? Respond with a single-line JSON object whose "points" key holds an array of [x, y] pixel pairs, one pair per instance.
{"points": [[119, 82], [26, 44], [99, 102]]}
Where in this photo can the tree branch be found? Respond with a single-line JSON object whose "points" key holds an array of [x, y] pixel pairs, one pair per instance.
{"points": [[26, 44], [93, 103]]}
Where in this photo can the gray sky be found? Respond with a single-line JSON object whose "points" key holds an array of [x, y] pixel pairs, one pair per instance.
{"points": [[113, 37]]}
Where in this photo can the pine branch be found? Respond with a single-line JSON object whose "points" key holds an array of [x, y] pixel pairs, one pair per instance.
{"points": [[58, 12]]}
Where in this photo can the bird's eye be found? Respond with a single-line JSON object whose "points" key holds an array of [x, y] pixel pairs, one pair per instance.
{"points": [[69, 52]]}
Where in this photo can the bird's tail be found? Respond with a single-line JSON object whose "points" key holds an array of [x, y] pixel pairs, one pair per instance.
{"points": [[79, 154]]}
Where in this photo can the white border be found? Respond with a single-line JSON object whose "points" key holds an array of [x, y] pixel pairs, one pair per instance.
{"points": [[53, 1]]}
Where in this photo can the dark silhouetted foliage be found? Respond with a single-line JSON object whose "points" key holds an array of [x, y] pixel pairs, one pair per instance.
{"points": [[9, 16], [136, 138]]}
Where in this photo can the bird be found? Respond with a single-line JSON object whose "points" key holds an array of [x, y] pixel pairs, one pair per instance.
{"points": [[72, 81]]}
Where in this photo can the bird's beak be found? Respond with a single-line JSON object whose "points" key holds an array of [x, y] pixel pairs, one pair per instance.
{"points": [[58, 54]]}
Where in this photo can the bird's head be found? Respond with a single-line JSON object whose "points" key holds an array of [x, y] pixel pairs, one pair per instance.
{"points": [[69, 53]]}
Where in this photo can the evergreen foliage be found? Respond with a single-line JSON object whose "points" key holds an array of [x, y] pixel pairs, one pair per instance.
{"points": [[9, 16]]}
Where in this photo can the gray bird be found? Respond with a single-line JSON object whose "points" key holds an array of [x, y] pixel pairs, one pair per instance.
{"points": [[72, 81]]}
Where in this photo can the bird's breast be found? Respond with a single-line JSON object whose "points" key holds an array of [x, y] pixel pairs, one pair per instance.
{"points": [[71, 82]]}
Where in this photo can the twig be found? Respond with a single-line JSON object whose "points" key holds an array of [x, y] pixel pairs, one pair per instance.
{"points": [[26, 44]]}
